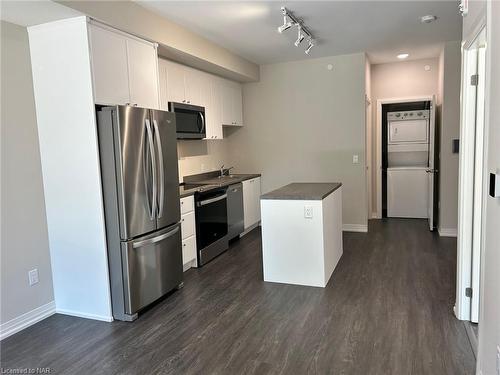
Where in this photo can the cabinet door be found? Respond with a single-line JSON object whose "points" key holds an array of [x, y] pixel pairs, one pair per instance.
{"points": [[193, 81], [143, 74], [237, 105], [213, 111], [162, 84], [227, 93], [256, 199], [175, 82], [248, 207], [109, 66]]}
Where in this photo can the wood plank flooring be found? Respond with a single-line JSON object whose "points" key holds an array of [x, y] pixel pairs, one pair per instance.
{"points": [[386, 310]]}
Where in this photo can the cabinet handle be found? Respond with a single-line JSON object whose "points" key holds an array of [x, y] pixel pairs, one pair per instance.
{"points": [[189, 102], [182, 202], [184, 244]]}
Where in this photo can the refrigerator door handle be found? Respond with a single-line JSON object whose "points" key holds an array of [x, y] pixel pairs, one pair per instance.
{"points": [[153, 167], [153, 240], [160, 162]]}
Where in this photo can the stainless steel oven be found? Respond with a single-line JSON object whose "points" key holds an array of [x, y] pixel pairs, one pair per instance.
{"points": [[190, 120], [211, 224]]}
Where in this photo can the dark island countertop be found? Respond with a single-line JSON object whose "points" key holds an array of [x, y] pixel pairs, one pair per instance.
{"points": [[303, 191], [209, 181]]}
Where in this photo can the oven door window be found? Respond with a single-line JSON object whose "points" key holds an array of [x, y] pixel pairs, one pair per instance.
{"points": [[189, 121], [211, 219]]}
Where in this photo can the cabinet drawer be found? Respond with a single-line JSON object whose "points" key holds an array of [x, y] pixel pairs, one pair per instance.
{"points": [[187, 225], [188, 249], [187, 205]]}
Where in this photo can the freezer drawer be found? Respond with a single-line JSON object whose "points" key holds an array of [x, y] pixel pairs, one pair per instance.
{"points": [[152, 266], [407, 192]]}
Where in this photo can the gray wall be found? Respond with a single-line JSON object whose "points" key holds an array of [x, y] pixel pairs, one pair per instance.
{"points": [[24, 228], [304, 122], [489, 320], [398, 80], [449, 128]]}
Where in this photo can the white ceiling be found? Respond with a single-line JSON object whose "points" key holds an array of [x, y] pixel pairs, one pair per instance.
{"points": [[381, 28], [29, 13]]}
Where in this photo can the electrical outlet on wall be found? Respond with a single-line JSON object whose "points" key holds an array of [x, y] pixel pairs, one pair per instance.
{"points": [[33, 276], [308, 212]]}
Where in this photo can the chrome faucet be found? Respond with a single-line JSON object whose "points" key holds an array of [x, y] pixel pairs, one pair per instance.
{"points": [[223, 172]]}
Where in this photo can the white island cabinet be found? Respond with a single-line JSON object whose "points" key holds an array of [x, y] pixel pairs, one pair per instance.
{"points": [[251, 203], [302, 233]]}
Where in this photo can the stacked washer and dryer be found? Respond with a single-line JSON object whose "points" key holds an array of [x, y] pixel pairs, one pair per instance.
{"points": [[407, 163]]}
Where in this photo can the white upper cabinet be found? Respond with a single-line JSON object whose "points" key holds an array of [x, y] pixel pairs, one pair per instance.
{"points": [[109, 66], [231, 103], [124, 68], [173, 81], [213, 111], [143, 73]]}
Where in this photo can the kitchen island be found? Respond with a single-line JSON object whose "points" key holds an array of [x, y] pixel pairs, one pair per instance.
{"points": [[302, 233]]}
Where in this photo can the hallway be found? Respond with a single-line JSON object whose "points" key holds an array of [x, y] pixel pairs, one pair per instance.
{"points": [[386, 310]]}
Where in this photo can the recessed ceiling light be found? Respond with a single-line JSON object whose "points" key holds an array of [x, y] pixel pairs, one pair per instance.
{"points": [[428, 18], [403, 56]]}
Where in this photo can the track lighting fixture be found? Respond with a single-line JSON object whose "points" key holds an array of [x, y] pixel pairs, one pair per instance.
{"points": [[290, 20], [284, 27], [300, 37], [311, 45]]}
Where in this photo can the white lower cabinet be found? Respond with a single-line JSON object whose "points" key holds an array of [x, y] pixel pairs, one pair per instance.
{"points": [[251, 202], [188, 231]]}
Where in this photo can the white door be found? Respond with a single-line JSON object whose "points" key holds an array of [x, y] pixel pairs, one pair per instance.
{"points": [[432, 171], [478, 184], [143, 74], [109, 66]]}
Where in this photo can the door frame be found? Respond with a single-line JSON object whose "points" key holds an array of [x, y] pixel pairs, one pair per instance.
{"points": [[378, 142], [469, 261]]}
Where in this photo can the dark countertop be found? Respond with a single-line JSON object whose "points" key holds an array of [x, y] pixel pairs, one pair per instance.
{"points": [[303, 191], [211, 182]]}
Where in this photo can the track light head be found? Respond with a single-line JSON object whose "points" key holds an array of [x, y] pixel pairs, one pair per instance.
{"points": [[300, 37], [308, 49], [284, 27]]}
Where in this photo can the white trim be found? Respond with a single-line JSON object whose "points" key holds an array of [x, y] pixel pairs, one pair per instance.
{"points": [[447, 232], [27, 319], [378, 141], [355, 228], [190, 264], [374, 215], [78, 314], [250, 228]]}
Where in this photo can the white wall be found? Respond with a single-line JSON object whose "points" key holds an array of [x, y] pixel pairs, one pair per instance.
{"points": [[449, 129], [24, 240], [398, 80], [304, 122], [489, 321], [202, 156]]}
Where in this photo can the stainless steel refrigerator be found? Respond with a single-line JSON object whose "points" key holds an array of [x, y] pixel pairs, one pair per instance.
{"points": [[138, 154]]}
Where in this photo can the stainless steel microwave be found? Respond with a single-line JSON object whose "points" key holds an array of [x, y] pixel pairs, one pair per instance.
{"points": [[190, 120]]}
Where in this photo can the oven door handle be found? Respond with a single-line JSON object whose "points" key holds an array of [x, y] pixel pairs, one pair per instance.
{"points": [[211, 200]]}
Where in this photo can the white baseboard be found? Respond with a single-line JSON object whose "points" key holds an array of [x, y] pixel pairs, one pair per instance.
{"points": [[28, 319], [447, 232], [374, 215], [249, 229], [192, 263], [79, 314], [355, 228]]}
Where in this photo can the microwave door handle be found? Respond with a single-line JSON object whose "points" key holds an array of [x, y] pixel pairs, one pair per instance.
{"points": [[153, 167], [202, 122], [160, 164]]}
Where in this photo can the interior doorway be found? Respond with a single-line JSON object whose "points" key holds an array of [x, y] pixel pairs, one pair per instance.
{"points": [[406, 173], [472, 185]]}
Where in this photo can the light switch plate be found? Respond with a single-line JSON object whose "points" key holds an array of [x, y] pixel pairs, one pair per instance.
{"points": [[33, 276], [355, 159]]}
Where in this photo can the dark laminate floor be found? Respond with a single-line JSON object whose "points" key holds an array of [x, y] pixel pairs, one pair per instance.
{"points": [[386, 310]]}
